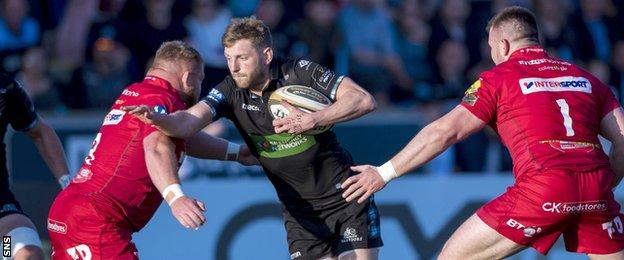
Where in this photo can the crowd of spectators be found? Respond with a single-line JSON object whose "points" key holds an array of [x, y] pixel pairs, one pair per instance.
{"points": [[410, 54]]}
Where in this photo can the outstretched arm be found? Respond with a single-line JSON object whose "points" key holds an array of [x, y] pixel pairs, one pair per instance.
{"points": [[182, 124], [612, 128], [352, 101], [432, 140], [50, 148]]}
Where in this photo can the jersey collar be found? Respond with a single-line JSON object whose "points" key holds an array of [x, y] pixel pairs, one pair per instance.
{"points": [[154, 80], [534, 50]]}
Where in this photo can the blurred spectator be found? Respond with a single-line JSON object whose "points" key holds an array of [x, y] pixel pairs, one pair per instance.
{"points": [[318, 23], [413, 37], [17, 29], [205, 25], [450, 80], [72, 33], [145, 36], [552, 17], [34, 78], [594, 33], [98, 83], [484, 64], [106, 23], [271, 12], [242, 8], [617, 69], [450, 24], [374, 62]]}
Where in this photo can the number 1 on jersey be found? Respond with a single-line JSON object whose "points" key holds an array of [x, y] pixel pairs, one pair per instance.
{"points": [[567, 120]]}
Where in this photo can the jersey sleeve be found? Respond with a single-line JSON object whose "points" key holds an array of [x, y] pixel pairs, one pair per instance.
{"points": [[19, 109], [480, 99], [218, 99], [317, 76]]}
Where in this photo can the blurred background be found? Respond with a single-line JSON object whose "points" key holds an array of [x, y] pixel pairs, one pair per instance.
{"points": [[417, 57]]}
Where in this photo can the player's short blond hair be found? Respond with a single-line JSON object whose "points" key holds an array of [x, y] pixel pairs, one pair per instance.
{"points": [[248, 28], [177, 50], [516, 20]]}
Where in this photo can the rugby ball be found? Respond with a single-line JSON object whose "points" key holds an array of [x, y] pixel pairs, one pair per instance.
{"points": [[305, 98]]}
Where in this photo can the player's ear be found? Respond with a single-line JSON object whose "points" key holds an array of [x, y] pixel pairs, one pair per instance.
{"points": [[267, 55], [505, 47], [184, 79]]}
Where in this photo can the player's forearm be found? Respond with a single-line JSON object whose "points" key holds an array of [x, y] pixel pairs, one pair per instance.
{"points": [[161, 165], [204, 146], [351, 105], [180, 124], [426, 145], [50, 148]]}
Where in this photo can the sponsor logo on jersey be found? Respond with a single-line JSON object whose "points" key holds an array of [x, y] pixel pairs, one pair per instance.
{"points": [[130, 93], [57, 226], [575, 207], [295, 255], [303, 63], [216, 96], [114, 117], [541, 61], [350, 235], [470, 97], [83, 175], [532, 85], [160, 109], [250, 107]]}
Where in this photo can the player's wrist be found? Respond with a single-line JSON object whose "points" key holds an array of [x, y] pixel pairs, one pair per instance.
{"points": [[387, 171], [64, 180], [232, 151], [172, 192]]}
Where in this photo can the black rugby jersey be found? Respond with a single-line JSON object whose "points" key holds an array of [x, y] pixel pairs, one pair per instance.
{"points": [[17, 110], [303, 168]]}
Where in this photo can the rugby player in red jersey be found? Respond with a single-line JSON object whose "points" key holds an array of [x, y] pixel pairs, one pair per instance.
{"points": [[549, 114], [132, 165]]}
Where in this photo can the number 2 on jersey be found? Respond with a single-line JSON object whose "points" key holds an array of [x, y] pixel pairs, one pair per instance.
{"points": [[91, 155], [567, 120]]}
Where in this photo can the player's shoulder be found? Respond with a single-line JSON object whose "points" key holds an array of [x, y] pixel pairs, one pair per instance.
{"points": [[7, 82]]}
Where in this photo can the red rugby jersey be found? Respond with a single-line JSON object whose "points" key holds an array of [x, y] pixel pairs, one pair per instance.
{"points": [[546, 111], [114, 171]]}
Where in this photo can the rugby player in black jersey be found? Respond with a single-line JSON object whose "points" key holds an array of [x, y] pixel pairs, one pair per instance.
{"points": [[306, 170], [17, 110]]}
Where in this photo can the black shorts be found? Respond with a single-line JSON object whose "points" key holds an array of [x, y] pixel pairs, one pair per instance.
{"points": [[313, 234], [9, 205]]}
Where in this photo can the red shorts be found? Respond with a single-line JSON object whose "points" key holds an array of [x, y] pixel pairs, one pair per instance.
{"points": [[82, 227], [541, 206]]}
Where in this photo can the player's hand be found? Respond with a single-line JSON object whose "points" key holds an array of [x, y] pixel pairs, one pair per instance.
{"points": [[295, 122], [362, 185], [189, 212], [245, 157], [142, 112]]}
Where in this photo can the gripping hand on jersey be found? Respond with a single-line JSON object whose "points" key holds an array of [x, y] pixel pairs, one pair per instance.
{"points": [[189, 212], [362, 185], [295, 122], [142, 112]]}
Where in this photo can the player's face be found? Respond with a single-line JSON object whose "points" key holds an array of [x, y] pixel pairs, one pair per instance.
{"points": [[193, 83], [247, 64], [495, 42]]}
